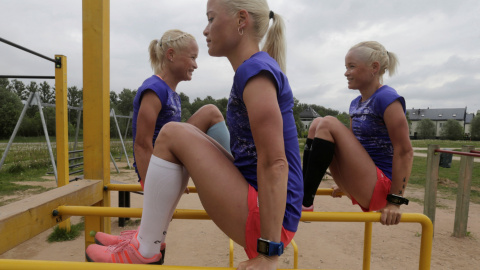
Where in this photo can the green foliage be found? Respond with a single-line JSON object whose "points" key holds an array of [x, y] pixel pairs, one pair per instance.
{"points": [[475, 128], [18, 87], [125, 101], [46, 93], [426, 129], [4, 83], [344, 118], [10, 109], [60, 235], [301, 131], [452, 130]]}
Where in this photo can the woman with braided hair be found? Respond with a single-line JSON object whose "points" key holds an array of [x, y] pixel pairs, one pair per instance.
{"points": [[371, 161], [173, 59]]}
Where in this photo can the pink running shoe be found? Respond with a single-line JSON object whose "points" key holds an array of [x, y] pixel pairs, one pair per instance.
{"points": [[123, 252], [307, 209], [105, 239]]}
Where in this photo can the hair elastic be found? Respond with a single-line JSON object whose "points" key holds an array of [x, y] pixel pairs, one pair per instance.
{"points": [[270, 16]]}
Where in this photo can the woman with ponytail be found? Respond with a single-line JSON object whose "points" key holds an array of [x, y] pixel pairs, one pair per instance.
{"points": [[255, 197], [370, 162]]}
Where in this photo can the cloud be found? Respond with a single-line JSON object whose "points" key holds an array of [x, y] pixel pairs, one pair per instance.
{"points": [[436, 42]]}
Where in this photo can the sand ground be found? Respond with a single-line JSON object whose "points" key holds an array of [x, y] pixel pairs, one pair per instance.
{"points": [[325, 245]]}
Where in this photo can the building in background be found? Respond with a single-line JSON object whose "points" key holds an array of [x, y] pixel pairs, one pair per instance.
{"points": [[307, 117], [439, 117]]}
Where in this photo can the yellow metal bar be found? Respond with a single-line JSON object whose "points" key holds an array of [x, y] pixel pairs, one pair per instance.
{"points": [[61, 126], [61, 119], [191, 189], [48, 265], [125, 212], [367, 245], [124, 187], [96, 95], [231, 253], [425, 245], [326, 192], [295, 254]]}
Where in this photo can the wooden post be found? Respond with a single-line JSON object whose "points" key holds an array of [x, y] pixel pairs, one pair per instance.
{"points": [[430, 200], [96, 99], [463, 194]]}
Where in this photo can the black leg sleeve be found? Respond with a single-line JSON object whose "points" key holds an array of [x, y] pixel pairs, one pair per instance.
{"points": [[321, 155], [306, 154]]}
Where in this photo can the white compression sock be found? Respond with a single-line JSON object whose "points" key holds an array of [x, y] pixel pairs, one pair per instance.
{"points": [[163, 187], [185, 177]]}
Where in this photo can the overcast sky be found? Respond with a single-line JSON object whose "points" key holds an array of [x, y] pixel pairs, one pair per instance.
{"points": [[437, 42]]}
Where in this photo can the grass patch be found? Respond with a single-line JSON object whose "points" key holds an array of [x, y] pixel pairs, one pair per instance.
{"points": [[444, 143], [448, 178], [8, 179], [60, 235]]}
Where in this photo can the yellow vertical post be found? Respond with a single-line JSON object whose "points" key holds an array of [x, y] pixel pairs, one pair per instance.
{"points": [[367, 245], [61, 125], [96, 99]]}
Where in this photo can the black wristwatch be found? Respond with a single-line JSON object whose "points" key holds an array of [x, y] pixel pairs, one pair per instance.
{"points": [[396, 199], [269, 248]]}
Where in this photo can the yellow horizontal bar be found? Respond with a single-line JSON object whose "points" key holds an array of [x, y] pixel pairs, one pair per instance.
{"points": [[136, 187], [191, 189], [124, 212], [48, 265], [427, 226]]}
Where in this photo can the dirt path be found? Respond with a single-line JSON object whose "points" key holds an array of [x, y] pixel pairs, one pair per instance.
{"points": [[325, 245]]}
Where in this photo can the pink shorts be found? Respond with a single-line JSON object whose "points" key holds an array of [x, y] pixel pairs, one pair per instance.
{"points": [[380, 192], [142, 184], [252, 230]]}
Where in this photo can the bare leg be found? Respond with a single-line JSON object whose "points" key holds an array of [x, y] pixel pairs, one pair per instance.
{"points": [[221, 187], [205, 117], [352, 168]]}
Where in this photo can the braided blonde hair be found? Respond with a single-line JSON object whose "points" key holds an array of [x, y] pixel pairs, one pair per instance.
{"points": [[175, 39]]}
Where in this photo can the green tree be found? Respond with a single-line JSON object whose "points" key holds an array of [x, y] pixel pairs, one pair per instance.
{"points": [[10, 109], [18, 87], [475, 128], [113, 100], [452, 130], [74, 99], [125, 101], [186, 107], [344, 118], [297, 109], [46, 93], [4, 83], [426, 129], [32, 87]]}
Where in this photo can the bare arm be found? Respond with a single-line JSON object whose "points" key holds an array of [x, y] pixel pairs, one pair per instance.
{"points": [[397, 126], [147, 117], [272, 169]]}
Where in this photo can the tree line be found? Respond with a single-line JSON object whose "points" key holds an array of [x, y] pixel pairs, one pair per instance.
{"points": [[13, 92], [451, 130]]}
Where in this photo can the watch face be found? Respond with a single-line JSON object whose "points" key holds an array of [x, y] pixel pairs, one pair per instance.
{"points": [[262, 247]]}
